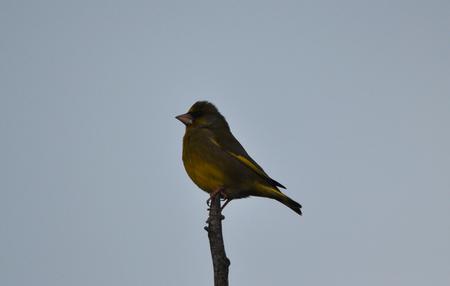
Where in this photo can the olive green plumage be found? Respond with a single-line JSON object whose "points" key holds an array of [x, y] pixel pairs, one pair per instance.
{"points": [[214, 159]]}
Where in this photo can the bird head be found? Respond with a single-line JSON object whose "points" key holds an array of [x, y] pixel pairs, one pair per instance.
{"points": [[203, 114]]}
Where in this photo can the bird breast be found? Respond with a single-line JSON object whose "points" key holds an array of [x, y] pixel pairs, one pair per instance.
{"points": [[203, 171]]}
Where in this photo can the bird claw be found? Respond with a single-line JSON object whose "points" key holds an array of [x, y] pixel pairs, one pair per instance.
{"points": [[219, 192]]}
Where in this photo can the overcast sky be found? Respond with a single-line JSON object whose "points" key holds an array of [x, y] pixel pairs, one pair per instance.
{"points": [[347, 103]]}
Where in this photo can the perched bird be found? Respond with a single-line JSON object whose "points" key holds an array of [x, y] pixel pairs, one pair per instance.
{"points": [[217, 163]]}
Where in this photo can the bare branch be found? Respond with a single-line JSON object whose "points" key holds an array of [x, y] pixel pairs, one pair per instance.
{"points": [[214, 228]]}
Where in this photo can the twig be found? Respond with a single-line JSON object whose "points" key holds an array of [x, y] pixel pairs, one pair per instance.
{"points": [[214, 229]]}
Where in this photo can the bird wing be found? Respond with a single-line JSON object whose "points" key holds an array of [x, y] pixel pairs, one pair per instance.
{"points": [[231, 145]]}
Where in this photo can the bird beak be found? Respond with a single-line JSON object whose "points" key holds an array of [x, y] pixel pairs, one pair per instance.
{"points": [[185, 118]]}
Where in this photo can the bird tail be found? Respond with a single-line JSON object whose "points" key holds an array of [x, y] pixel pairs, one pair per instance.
{"points": [[290, 203], [274, 193]]}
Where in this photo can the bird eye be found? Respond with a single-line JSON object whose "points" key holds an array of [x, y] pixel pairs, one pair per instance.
{"points": [[195, 114]]}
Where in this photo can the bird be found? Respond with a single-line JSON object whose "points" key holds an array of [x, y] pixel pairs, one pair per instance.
{"points": [[218, 164]]}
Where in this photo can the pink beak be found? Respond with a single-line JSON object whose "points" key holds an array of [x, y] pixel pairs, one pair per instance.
{"points": [[185, 118]]}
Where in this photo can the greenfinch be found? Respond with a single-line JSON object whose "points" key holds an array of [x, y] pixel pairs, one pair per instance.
{"points": [[217, 163]]}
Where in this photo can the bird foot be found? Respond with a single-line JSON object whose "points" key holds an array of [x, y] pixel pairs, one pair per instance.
{"points": [[220, 192]]}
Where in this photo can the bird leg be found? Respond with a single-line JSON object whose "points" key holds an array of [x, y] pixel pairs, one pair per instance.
{"points": [[220, 192], [226, 203]]}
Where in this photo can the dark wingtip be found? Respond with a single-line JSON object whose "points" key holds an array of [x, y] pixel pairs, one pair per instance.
{"points": [[277, 184]]}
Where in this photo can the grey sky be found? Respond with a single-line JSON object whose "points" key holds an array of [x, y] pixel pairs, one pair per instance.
{"points": [[347, 103]]}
